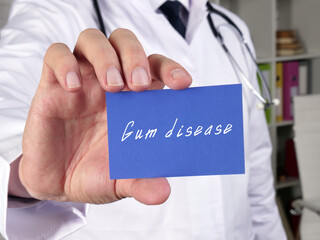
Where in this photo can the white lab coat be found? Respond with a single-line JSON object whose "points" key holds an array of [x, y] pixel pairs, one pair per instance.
{"points": [[210, 207]]}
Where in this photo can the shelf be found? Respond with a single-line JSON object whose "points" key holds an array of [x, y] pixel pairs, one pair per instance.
{"points": [[288, 58], [288, 182], [298, 57], [265, 59], [281, 124], [284, 123], [264, 18]]}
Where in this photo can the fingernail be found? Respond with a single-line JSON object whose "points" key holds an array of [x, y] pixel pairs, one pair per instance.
{"points": [[114, 77], [140, 77], [178, 73], [73, 80]]}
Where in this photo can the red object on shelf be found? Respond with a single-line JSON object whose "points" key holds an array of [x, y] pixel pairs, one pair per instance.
{"points": [[291, 166]]}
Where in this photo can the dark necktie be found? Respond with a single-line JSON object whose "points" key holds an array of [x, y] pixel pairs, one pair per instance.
{"points": [[172, 10]]}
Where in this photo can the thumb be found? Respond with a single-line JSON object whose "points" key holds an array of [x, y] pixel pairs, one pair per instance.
{"points": [[151, 191]]}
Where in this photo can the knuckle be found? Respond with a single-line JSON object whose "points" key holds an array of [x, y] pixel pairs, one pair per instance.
{"points": [[163, 61], [53, 48], [87, 33], [127, 44], [121, 32], [62, 65], [158, 58], [154, 56], [104, 59], [63, 58], [103, 55], [134, 52]]}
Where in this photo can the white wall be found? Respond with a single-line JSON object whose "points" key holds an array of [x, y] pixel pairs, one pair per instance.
{"points": [[4, 11]]}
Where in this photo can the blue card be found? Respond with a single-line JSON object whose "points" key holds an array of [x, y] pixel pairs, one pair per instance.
{"points": [[166, 133]]}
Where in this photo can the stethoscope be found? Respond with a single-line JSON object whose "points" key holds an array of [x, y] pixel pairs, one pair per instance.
{"points": [[264, 102]]}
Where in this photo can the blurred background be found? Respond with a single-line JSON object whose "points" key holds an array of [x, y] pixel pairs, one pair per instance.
{"points": [[4, 11]]}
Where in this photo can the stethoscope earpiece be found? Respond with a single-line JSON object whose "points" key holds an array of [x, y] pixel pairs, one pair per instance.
{"points": [[276, 102]]}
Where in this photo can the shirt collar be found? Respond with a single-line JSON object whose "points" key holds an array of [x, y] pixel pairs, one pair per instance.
{"points": [[157, 3], [197, 12]]}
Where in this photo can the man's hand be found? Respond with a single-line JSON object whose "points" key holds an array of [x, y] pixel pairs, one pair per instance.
{"points": [[65, 143]]}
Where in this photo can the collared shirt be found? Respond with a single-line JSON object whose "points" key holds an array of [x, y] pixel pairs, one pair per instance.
{"points": [[209, 207], [157, 3], [183, 14]]}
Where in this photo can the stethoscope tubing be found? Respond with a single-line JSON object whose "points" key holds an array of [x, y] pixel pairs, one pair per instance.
{"points": [[267, 102]]}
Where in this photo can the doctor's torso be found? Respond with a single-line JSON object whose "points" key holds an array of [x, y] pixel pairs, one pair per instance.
{"points": [[208, 207], [199, 207]]}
